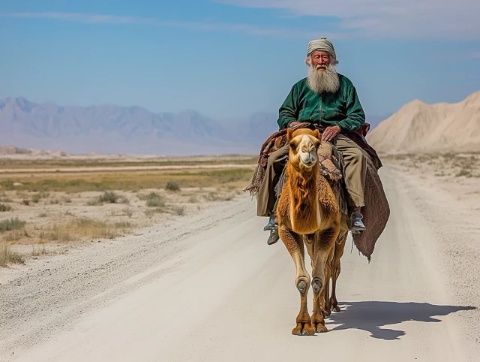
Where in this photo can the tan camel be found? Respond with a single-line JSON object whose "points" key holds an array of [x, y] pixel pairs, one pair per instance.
{"points": [[308, 213]]}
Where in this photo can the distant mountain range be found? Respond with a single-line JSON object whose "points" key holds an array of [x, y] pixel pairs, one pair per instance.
{"points": [[427, 128], [127, 130], [109, 129]]}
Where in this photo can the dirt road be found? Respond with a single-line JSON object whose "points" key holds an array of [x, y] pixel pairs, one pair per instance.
{"points": [[211, 290]]}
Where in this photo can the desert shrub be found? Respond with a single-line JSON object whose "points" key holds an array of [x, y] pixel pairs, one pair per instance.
{"points": [[5, 207], [172, 186], [464, 172], [4, 198], [193, 199], [109, 197], [7, 184], [11, 224], [154, 200], [7, 256], [179, 210]]}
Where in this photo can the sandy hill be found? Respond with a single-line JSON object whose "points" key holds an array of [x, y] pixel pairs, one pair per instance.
{"points": [[424, 128]]}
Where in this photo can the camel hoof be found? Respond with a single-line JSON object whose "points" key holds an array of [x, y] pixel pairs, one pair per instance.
{"points": [[327, 312], [316, 285], [303, 329], [334, 304], [320, 328]]}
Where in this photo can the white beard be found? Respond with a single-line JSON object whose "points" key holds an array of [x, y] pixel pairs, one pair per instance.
{"points": [[321, 81]]}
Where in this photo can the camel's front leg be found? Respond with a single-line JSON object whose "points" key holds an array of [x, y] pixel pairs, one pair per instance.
{"points": [[323, 250], [295, 247], [321, 278]]}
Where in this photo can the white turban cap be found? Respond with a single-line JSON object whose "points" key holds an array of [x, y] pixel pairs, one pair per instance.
{"points": [[322, 44]]}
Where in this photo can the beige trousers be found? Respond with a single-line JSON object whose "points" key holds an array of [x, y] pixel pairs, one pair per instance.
{"points": [[354, 172]]}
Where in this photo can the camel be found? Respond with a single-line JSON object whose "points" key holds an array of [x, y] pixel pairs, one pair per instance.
{"points": [[308, 214]]}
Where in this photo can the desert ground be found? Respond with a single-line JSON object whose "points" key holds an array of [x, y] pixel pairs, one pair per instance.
{"points": [[104, 261]]}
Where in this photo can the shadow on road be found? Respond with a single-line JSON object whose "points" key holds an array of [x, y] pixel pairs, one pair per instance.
{"points": [[371, 316]]}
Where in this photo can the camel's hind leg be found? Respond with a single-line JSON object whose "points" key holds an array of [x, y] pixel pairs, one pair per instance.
{"points": [[295, 247], [322, 252], [336, 267]]}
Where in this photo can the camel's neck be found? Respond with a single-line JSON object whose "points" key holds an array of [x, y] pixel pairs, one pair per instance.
{"points": [[304, 205]]}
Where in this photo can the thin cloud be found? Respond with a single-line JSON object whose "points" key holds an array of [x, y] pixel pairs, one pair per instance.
{"points": [[386, 19], [79, 17], [192, 25]]}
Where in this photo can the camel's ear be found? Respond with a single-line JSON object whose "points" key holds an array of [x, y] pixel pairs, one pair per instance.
{"points": [[289, 134], [317, 134]]}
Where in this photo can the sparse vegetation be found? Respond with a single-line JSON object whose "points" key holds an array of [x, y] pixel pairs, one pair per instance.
{"points": [[178, 210], [7, 256], [11, 224], [154, 200], [128, 180], [38, 251], [5, 207], [55, 198], [108, 197], [38, 196], [172, 186], [81, 228], [442, 165]]}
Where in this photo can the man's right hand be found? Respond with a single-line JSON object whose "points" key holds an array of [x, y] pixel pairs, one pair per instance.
{"points": [[294, 124]]}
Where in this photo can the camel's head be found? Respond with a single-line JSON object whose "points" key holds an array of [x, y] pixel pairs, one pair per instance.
{"points": [[304, 144]]}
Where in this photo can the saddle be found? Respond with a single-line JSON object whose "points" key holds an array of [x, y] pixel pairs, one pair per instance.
{"points": [[376, 211]]}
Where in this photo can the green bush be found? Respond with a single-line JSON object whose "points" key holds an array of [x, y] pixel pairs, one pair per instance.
{"points": [[5, 207], [172, 186], [155, 200], [109, 197], [11, 224]]}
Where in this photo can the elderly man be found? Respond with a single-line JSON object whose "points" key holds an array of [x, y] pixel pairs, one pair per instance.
{"points": [[329, 100]]}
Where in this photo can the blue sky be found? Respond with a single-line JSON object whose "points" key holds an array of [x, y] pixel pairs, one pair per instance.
{"points": [[231, 58]]}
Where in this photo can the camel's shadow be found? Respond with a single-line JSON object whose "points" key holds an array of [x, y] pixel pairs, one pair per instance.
{"points": [[372, 315]]}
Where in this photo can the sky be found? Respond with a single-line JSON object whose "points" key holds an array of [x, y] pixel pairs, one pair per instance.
{"points": [[228, 59]]}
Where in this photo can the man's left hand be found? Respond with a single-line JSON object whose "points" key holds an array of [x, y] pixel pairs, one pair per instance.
{"points": [[330, 133]]}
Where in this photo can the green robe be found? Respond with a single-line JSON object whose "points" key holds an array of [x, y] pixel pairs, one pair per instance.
{"points": [[342, 108]]}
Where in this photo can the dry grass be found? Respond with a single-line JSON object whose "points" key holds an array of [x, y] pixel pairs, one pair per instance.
{"points": [[62, 202], [5, 207], [108, 197], [442, 165], [7, 256], [83, 228], [11, 224], [55, 164], [153, 199], [128, 181]]}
